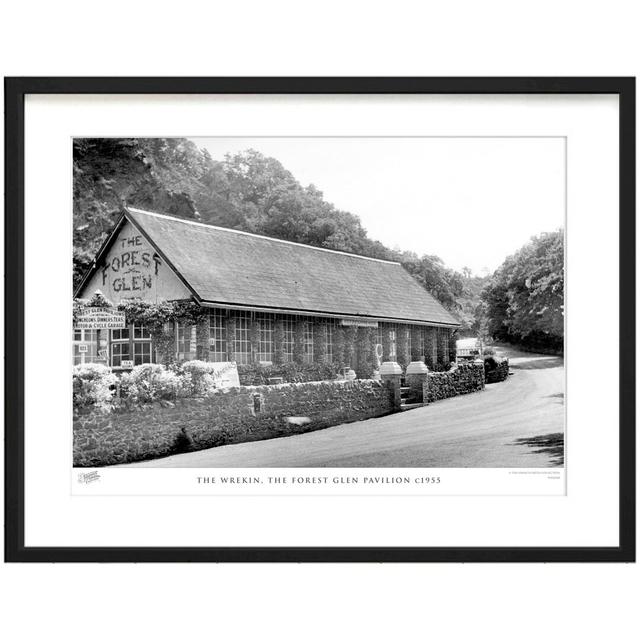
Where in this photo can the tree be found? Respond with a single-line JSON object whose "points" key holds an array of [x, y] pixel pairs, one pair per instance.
{"points": [[524, 301], [444, 284]]}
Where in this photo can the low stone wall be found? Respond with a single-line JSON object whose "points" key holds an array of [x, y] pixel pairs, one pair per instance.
{"points": [[460, 379], [498, 373], [153, 430]]}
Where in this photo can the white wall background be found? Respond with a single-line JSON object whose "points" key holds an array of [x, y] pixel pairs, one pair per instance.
{"points": [[328, 38]]}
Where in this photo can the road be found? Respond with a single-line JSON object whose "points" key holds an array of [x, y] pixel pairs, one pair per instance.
{"points": [[477, 430]]}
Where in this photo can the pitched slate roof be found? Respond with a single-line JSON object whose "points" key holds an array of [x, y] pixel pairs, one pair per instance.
{"points": [[231, 267]]}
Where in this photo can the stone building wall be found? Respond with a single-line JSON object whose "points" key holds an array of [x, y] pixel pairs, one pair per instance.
{"points": [[243, 414]]}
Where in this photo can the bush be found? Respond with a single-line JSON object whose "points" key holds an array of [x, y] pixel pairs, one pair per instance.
{"points": [[149, 382], [93, 384], [490, 362], [199, 378]]}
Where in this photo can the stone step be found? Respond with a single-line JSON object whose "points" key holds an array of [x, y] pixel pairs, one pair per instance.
{"points": [[406, 406]]}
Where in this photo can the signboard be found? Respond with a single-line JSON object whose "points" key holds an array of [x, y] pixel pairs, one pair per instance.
{"points": [[347, 322], [225, 374], [100, 318], [126, 364], [83, 348]]}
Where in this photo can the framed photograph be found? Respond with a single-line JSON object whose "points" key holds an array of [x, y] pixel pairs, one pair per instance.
{"points": [[320, 319]]}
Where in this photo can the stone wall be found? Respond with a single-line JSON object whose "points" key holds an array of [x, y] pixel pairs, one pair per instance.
{"points": [[243, 414], [460, 379], [497, 373]]}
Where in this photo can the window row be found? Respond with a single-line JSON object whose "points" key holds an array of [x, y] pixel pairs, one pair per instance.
{"points": [[133, 345]]}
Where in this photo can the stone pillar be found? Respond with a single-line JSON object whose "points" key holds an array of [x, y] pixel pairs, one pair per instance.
{"points": [[254, 339], [416, 344], [202, 337], [164, 342], [298, 345], [364, 352], [416, 378], [230, 331], [351, 338], [430, 346], [278, 341], [443, 346], [390, 374], [320, 342], [402, 345], [338, 344], [386, 342]]}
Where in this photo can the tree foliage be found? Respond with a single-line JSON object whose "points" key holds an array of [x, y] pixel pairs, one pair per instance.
{"points": [[246, 191], [524, 300]]}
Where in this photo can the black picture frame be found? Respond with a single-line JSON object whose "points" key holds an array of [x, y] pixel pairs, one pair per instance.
{"points": [[15, 91]]}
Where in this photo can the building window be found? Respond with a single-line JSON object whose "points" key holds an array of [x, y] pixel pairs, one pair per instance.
{"points": [[265, 345], [392, 344], [241, 342], [217, 336], [85, 346], [141, 352], [307, 355], [141, 345], [289, 338], [132, 344], [329, 341], [120, 346], [185, 341], [119, 334]]}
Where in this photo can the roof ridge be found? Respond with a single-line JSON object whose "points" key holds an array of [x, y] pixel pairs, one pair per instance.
{"points": [[257, 235]]}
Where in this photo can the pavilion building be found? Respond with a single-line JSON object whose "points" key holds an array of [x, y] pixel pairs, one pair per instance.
{"points": [[264, 300]]}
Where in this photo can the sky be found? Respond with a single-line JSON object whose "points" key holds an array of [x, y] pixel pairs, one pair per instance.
{"points": [[471, 201]]}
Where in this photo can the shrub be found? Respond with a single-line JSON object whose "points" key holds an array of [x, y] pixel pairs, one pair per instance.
{"points": [[490, 362], [199, 378], [93, 384], [495, 369], [149, 382]]}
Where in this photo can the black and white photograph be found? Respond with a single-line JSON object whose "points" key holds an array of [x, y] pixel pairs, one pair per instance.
{"points": [[369, 302], [387, 318]]}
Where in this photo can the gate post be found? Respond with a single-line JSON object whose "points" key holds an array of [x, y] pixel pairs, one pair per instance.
{"points": [[416, 378], [390, 374]]}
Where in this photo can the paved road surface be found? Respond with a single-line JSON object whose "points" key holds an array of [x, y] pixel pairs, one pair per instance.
{"points": [[476, 430]]}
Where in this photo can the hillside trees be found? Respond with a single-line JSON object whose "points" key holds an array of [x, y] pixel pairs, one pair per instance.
{"points": [[247, 191]]}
